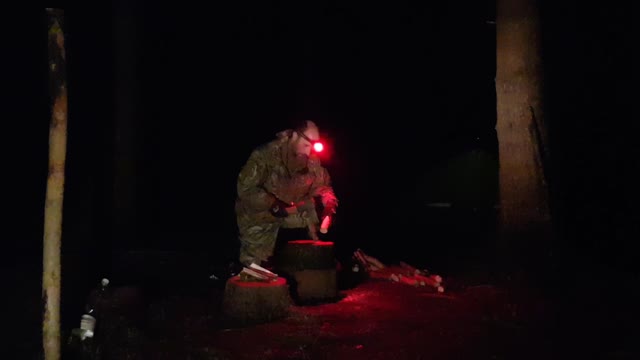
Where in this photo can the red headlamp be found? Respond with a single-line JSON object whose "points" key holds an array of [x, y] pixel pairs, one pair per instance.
{"points": [[316, 145]]}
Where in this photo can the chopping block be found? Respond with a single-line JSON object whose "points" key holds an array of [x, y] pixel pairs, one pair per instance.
{"points": [[254, 302], [311, 268]]}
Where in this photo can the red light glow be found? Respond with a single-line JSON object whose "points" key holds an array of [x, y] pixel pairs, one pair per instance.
{"points": [[311, 242]]}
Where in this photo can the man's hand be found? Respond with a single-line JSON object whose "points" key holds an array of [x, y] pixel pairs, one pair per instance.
{"points": [[301, 207], [281, 209], [292, 210]]}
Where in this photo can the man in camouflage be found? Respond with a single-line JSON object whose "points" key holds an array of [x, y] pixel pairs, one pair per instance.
{"points": [[277, 188]]}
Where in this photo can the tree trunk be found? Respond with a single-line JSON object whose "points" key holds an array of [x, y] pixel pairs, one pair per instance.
{"points": [[524, 216], [125, 157], [51, 274]]}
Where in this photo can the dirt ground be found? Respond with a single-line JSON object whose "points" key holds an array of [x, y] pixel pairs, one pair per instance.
{"points": [[386, 320], [588, 313], [373, 318]]}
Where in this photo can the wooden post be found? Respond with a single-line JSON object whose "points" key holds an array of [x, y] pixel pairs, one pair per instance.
{"points": [[51, 274]]}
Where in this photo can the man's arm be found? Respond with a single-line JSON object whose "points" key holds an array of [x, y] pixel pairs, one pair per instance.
{"points": [[323, 189], [250, 183]]}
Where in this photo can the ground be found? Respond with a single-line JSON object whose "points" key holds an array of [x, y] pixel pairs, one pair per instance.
{"points": [[577, 312], [373, 319]]}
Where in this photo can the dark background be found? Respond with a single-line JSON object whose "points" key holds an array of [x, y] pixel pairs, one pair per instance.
{"points": [[403, 93]]}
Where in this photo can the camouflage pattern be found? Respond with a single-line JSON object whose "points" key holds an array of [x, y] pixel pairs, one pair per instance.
{"points": [[265, 177]]}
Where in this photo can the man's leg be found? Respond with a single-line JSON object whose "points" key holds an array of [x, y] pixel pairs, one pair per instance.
{"points": [[257, 242]]}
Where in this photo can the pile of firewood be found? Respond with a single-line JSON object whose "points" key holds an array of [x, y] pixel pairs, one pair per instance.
{"points": [[256, 272], [404, 273]]}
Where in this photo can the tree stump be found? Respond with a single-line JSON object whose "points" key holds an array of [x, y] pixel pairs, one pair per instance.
{"points": [[254, 302], [311, 267]]}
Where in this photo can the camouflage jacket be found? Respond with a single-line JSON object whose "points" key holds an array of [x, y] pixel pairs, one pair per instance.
{"points": [[265, 177]]}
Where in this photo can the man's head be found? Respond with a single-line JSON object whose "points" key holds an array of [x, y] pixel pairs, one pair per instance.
{"points": [[304, 135]]}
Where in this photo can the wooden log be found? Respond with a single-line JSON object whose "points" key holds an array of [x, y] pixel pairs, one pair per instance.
{"points": [[306, 255], [254, 302], [311, 267], [315, 285], [326, 222]]}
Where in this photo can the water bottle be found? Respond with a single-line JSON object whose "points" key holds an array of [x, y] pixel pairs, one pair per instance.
{"points": [[89, 319]]}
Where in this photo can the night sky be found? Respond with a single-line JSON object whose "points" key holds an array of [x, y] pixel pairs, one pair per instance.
{"points": [[403, 93]]}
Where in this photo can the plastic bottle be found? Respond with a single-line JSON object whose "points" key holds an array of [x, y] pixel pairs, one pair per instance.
{"points": [[89, 319]]}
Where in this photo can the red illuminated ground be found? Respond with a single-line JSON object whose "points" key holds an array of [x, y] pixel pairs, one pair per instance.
{"points": [[377, 319]]}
